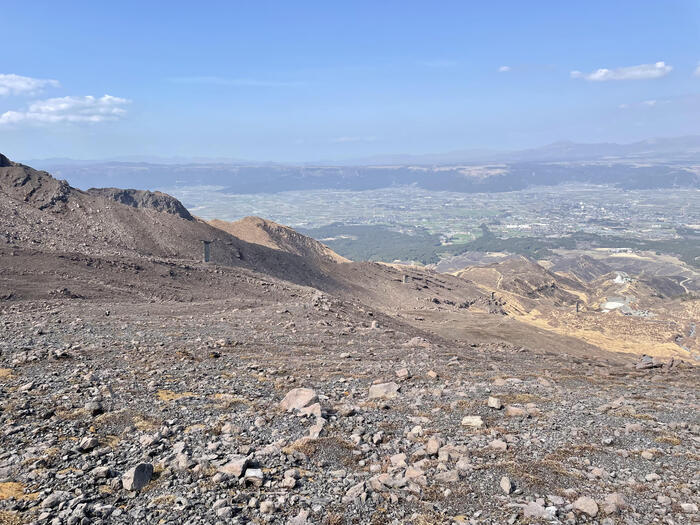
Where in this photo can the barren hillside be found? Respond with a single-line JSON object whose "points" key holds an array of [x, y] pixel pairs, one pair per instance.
{"points": [[267, 233], [614, 311]]}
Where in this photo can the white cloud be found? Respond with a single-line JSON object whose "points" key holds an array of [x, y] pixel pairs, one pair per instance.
{"points": [[697, 71], [647, 104], [69, 109], [235, 82], [11, 84], [504, 69], [640, 72]]}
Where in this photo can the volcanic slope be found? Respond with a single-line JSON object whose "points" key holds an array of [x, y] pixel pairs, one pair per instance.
{"points": [[44, 219], [268, 233], [91, 245], [47, 215], [528, 281], [634, 314]]}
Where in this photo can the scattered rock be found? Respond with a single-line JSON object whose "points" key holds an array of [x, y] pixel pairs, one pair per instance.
{"points": [[383, 391], [495, 403], [54, 499], [506, 485], [88, 443], [473, 421], [235, 466], [614, 503], [298, 398], [403, 373], [137, 477], [587, 506]]}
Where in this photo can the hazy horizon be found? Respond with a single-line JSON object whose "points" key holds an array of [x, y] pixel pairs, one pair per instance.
{"points": [[468, 155]]}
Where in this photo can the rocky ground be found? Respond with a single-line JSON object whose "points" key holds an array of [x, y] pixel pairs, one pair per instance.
{"points": [[296, 407]]}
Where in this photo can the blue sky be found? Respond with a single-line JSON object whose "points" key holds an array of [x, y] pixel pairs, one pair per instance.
{"points": [[303, 81]]}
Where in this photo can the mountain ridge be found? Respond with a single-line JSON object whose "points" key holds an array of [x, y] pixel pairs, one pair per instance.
{"points": [[268, 233], [679, 148]]}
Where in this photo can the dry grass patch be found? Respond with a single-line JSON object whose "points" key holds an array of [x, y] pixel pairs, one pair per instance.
{"points": [[14, 490], [6, 373], [230, 400], [668, 439], [523, 399], [544, 474], [332, 450], [70, 414], [10, 518], [562, 454], [169, 395], [165, 499], [115, 423]]}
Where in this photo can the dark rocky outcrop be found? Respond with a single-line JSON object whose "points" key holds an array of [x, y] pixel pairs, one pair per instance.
{"points": [[4, 161], [36, 188], [144, 199]]}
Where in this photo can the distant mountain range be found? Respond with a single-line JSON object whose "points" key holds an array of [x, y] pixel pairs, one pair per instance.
{"points": [[675, 149], [660, 149], [655, 163]]}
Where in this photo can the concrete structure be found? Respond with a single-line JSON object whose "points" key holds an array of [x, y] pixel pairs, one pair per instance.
{"points": [[207, 250]]}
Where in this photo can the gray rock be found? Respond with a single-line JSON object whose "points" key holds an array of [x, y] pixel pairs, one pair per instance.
{"points": [[253, 476], [88, 443], [235, 466], [473, 421], [506, 485], [586, 505], [383, 391], [495, 403], [298, 398], [536, 510], [54, 499], [137, 477]]}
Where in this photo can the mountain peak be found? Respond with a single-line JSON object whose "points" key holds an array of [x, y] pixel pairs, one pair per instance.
{"points": [[278, 237], [5, 162]]}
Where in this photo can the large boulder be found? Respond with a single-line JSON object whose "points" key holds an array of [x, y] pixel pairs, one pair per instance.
{"points": [[586, 505], [298, 398], [384, 391], [235, 466], [137, 477]]}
